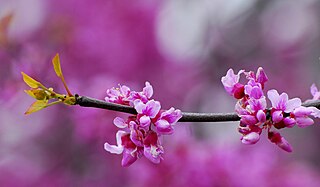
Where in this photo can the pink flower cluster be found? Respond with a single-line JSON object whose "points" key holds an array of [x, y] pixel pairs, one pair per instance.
{"points": [[255, 116], [140, 134]]}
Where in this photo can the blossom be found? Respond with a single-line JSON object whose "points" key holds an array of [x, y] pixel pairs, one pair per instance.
{"points": [[255, 116], [144, 96], [281, 105], [280, 141], [152, 148], [260, 77], [167, 119], [315, 92], [232, 85], [250, 138], [123, 95], [301, 115], [140, 134], [147, 111], [281, 102], [118, 95]]}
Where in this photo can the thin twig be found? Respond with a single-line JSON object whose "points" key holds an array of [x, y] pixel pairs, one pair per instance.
{"points": [[186, 116]]}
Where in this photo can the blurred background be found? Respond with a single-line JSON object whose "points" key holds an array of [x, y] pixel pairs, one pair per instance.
{"points": [[183, 47]]}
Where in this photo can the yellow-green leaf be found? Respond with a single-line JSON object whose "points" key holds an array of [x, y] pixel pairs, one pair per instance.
{"points": [[30, 81], [30, 92], [36, 106], [38, 94], [56, 65]]}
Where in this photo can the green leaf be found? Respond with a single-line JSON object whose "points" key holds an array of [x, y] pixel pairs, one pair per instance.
{"points": [[56, 65], [36, 106], [30, 81]]}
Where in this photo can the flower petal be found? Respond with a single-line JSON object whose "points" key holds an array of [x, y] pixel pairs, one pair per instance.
{"points": [[230, 80], [250, 138], [277, 116], [144, 121], [304, 121], [261, 76], [148, 90], [313, 89], [120, 122], [116, 149], [284, 144], [128, 158], [302, 111], [153, 153], [273, 96], [261, 116], [171, 115], [248, 119], [292, 104], [289, 122], [163, 127], [139, 106], [315, 112], [283, 99], [152, 108]]}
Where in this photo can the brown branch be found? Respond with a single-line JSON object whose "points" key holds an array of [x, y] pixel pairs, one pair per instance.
{"points": [[186, 116]]}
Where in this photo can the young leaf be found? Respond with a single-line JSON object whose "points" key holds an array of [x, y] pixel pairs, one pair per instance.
{"points": [[56, 65], [30, 92], [36, 106], [30, 81], [38, 94]]}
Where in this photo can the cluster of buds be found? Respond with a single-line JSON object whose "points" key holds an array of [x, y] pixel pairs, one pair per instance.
{"points": [[255, 116], [140, 134]]}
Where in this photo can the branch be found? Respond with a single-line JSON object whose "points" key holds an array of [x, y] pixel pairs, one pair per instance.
{"points": [[186, 116]]}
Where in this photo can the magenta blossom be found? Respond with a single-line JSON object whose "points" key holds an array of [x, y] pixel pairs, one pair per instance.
{"points": [[280, 141], [281, 105], [232, 85], [118, 95], [124, 96], [166, 120], [255, 116], [315, 92], [140, 133], [143, 96], [260, 77]]}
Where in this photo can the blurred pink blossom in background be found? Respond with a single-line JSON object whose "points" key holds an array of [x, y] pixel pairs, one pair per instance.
{"points": [[183, 48]]}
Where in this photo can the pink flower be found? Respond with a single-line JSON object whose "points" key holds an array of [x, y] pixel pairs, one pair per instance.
{"points": [[301, 115], [280, 141], [315, 92], [118, 95], [250, 138], [116, 149], [143, 96], [281, 105], [152, 148], [281, 102], [232, 85], [146, 111], [124, 145], [142, 131], [260, 77], [255, 116], [251, 133], [167, 119], [254, 91]]}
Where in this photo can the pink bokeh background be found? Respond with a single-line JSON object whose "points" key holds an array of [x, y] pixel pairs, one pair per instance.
{"points": [[182, 48]]}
